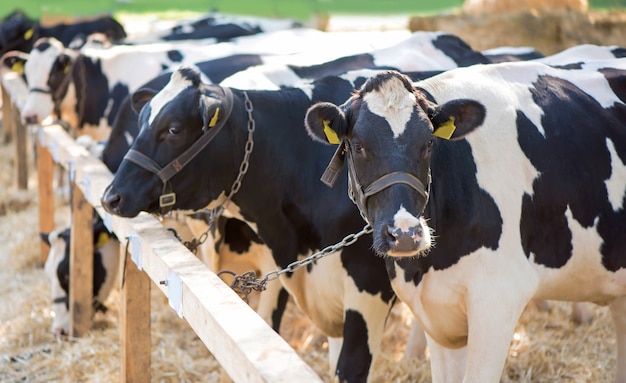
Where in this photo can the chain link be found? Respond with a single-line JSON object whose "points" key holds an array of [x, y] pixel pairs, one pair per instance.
{"points": [[293, 266]]}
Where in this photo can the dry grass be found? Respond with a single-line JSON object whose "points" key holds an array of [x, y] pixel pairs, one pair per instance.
{"points": [[547, 346]]}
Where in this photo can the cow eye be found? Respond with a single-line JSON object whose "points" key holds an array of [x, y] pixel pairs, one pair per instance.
{"points": [[429, 144], [358, 148], [174, 130]]}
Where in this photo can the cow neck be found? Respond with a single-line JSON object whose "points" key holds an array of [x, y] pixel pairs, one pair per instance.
{"points": [[61, 91], [168, 198], [357, 192]]}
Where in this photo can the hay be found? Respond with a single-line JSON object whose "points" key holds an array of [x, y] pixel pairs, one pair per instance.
{"points": [[547, 346]]}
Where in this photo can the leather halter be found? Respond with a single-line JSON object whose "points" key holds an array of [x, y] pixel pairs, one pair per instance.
{"points": [[359, 194], [168, 199]]}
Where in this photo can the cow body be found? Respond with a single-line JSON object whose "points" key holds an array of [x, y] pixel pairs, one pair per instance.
{"points": [[19, 32], [217, 27], [105, 268], [526, 200], [346, 295]]}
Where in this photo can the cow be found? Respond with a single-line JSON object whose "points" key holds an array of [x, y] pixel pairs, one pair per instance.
{"points": [[347, 295], [19, 32], [84, 87], [106, 258], [486, 187], [215, 26]]}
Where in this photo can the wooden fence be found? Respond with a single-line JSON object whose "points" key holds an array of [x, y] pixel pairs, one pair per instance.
{"points": [[246, 347]]}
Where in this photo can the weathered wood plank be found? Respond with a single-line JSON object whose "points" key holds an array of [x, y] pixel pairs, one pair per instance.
{"points": [[248, 349], [20, 133], [134, 322], [81, 264]]}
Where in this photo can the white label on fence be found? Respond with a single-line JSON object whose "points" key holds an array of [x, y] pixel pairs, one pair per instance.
{"points": [[40, 136], [175, 292], [54, 151], [135, 249], [108, 221]]}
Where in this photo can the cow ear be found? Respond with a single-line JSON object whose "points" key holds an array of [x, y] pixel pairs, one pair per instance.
{"points": [[15, 61], [455, 119], [211, 112], [141, 98], [326, 122]]}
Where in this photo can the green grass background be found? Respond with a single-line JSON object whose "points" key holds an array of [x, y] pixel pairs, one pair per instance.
{"points": [[297, 9]]}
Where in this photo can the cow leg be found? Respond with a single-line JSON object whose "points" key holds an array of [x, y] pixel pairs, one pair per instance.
{"points": [[363, 329], [334, 348], [618, 313], [416, 342], [446, 365]]}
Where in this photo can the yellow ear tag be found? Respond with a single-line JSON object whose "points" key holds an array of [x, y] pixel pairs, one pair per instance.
{"points": [[446, 130], [331, 135], [103, 238], [18, 67], [213, 121], [29, 33]]}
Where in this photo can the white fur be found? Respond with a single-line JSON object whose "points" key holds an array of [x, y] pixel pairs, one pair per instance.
{"points": [[393, 103]]}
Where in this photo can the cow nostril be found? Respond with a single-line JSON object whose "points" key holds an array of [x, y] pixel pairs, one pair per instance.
{"points": [[111, 200], [392, 233]]}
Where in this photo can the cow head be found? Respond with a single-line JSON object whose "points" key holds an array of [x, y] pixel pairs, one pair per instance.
{"points": [[57, 268], [46, 70], [184, 116], [387, 132], [17, 32]]}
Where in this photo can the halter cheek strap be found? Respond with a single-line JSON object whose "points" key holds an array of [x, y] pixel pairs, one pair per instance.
{"points": [[357, 192], [168, 198]]}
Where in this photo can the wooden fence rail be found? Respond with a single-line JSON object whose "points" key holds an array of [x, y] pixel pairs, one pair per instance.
{"points": [[246, 347]]}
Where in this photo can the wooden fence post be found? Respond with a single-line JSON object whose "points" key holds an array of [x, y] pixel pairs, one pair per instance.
{"points": [[135, 343], [21, 137], [81, 263], [7, 120], [45, 166]]}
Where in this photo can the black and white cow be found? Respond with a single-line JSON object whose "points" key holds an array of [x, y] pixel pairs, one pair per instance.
{"points": [[525, 200], [19, 32], [105, 269], [420, 52], [85, 87], [216, 26], [346, 295]]}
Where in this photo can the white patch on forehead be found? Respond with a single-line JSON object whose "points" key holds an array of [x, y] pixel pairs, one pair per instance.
{"points": [[404, 220], [393, 102], [616, 185], [177, 84]]}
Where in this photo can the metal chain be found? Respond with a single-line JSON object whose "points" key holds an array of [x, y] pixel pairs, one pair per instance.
{"points": [[243, 169], [243, 284]]}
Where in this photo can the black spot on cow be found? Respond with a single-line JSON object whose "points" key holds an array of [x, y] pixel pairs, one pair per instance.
{"points": [[88, 73], [619, 52], [574, 162], [175, 56], [118, 94], [458, 210], [340, 65], [570, 66], [358, 334], [459, 51]]}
